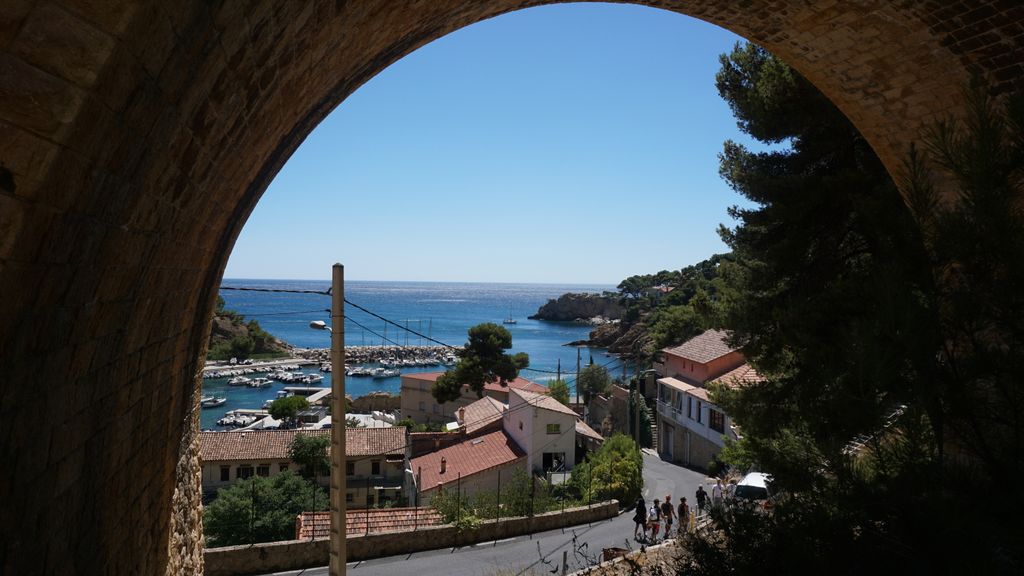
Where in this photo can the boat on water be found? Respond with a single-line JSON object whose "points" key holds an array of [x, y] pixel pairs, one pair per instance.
{"points": [[260, 383], [239, 381], [509, 319], [212, 401], [386, 372], [312, 378]]}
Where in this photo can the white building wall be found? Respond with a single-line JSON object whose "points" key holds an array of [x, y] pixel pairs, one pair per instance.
{"points": [[518, 423]]}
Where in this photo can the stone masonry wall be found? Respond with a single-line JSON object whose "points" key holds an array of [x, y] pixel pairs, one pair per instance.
{"points": [[137, 136], [297, 555]]}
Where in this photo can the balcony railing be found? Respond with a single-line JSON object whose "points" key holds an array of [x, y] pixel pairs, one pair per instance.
{"points": [[671, 411]]}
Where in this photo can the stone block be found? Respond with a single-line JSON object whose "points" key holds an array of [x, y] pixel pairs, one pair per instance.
{"points": [[63, 45], [35, 100]]}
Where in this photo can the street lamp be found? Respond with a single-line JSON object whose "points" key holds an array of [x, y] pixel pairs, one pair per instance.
{"points": [[338, 452]]}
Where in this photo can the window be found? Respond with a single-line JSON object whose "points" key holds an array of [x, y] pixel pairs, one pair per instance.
{"points": [[554, 428], [263, 470], [554, 461], [375, 467], [699, 408], [225, 473], [350, 468], [349, 497], [689, 407], [716, 420], [369, 499], [437, 409], [243, 472], [423, 406]]}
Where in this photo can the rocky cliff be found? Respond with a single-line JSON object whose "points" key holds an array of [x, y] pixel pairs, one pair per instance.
{"points": [[580, 307]]}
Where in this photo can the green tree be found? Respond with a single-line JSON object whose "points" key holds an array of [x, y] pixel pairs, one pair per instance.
{"points": [[260, 509], [613, 471], [870, 324], [288, 408], [646, 436], [310, 452], [559, 390], [593, 380], [481, 361], [674, 325]]}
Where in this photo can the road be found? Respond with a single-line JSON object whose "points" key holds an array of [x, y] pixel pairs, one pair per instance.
{"points": [[539, 553]]}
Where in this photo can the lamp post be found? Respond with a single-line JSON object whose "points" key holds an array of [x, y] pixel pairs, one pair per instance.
{"points": [[338, 504]]}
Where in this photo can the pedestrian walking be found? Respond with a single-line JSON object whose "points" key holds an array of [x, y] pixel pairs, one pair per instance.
{"points": [[640, 519], [702, 499], [716, 494], [654, 520], [684, 516], [667, 513]]}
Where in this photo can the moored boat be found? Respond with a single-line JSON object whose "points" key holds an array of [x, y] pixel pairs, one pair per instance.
{"points": [[212, 401]]}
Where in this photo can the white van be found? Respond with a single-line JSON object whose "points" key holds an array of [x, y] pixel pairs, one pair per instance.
{"points": [[754, 486]]}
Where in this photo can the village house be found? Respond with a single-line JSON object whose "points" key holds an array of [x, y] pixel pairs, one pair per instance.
{"points": [[376, 461], [470, 466], [533, 432], [419, 405], [691, 429]]}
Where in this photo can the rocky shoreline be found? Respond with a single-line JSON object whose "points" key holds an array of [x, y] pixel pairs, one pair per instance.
{"points": [[574, 307], [605, 313]]}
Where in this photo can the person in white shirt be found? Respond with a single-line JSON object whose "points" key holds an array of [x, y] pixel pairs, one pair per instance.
{"points": [[716, 494]]}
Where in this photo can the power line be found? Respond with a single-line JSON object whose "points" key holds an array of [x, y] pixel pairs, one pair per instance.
{"points": [[370, 330], [396, 324]]}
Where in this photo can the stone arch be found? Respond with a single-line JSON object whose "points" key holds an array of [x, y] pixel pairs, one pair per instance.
{"points": [[135, 140]]}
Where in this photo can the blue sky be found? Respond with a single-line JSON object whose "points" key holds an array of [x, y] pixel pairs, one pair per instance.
{"points": [[561, 144]]}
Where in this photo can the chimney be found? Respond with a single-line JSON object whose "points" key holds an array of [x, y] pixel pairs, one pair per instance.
{"points": [[444, 464], [462, 415]]}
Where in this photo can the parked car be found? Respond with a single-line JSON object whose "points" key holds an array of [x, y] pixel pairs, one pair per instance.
{"points": [[755, 486]]}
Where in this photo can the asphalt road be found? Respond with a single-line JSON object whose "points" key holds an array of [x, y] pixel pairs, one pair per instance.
{"points": [[539, 553]]}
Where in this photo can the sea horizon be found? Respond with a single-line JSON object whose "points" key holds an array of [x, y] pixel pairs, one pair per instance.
{"points": [[600, 285]]}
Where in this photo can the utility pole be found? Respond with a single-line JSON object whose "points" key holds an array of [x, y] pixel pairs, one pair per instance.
{"points": [[577, 375], [559, 369], [339, 553]]}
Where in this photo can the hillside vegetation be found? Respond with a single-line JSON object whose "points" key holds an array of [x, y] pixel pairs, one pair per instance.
{"points": [[232, 337]]}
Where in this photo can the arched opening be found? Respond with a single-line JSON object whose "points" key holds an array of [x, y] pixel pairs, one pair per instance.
{"points": [[139, 138]]}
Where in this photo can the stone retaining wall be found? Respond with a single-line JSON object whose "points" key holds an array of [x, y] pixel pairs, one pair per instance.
{"points": [[299, 554]]}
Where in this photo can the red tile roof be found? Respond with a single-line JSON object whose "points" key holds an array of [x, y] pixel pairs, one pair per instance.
{"points": [[744, 374], [318, 524], [274, 444], [466, 458], [544, 401], [519, 383], [583, 429], [704, 348], [685, 387], [481, 414]]}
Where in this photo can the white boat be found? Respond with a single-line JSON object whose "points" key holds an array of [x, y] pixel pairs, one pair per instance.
{"points": [[313, 378], [385, 373], [212, 402], [509, 319], [239, 381], [259, 383]]}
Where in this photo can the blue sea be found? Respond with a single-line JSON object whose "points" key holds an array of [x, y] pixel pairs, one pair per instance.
{"points": [[443, 311]]}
